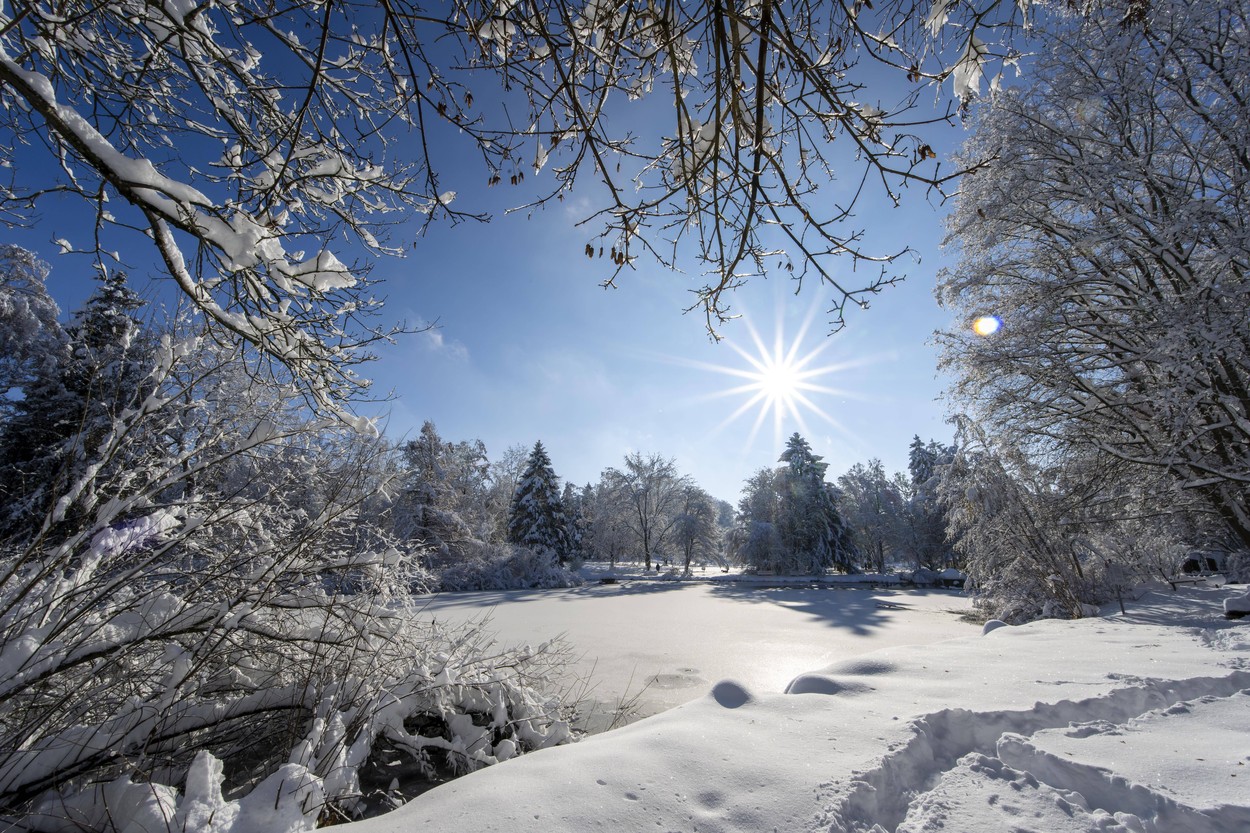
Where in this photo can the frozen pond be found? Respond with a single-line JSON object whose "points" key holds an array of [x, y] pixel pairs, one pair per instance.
{"points": [[673, 640]]}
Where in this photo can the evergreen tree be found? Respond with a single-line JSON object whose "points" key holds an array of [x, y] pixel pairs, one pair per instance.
{"points": [[70, 401], [812, 534], [921, 462], [444, 502], [537, 518]]}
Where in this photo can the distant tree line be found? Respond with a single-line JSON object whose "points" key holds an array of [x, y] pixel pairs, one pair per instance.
{"points": [[790, 519], [469, 521]]}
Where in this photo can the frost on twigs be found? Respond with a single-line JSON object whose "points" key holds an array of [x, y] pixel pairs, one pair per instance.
{"points": [[765, 106], [239, 169], [259, 148]]}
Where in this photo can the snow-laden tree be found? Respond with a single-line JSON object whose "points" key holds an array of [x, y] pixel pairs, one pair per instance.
{"points": [[874, 510], [695, 533], [537, 520], [754, 541], [811, 530], [443, 494], [503, 474], [1107, 234], [84, 379], [788, 517], [242, 138], [32, 342], [924, 518], [649, 488], [608, 509], [1049, 537], [571, 498]]}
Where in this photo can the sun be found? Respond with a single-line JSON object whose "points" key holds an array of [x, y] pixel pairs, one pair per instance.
{"points": [[779, 380], [783, 383]]}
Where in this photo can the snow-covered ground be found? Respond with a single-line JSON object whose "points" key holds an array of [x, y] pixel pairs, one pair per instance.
{"points": [[663, 643], [1133, 723]]}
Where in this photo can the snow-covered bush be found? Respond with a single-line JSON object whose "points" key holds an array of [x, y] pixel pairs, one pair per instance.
{"points": [[1237, 568], [461, 704], [505, 567], [221, 598], [1053, 541]]}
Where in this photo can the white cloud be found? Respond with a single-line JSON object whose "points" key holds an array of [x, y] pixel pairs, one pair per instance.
{"points": [[432, 340]]}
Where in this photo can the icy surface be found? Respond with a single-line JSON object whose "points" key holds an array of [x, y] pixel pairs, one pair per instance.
{"points": [[669, 642], [1016, 729]]}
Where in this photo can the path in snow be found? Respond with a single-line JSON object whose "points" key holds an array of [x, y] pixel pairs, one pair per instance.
{"points": [[678, 638], [1125, 724]]}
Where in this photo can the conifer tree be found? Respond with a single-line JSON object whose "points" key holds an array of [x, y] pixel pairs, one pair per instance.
{"points": [[71, 400], [811, 531], [536, 519]]}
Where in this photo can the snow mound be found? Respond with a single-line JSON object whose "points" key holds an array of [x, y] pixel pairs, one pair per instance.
{"points": [[823, 684], [862, 667], [1235, 607], [993, 625]]}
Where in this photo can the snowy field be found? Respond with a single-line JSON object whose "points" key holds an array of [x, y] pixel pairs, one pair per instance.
{"points": [[665, 643], [1137, 723]]}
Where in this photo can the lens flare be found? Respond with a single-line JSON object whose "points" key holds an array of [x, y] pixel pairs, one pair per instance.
{"points": [[987, 325]]}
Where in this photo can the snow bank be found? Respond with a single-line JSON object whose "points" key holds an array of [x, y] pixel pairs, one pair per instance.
{"points": [[1131, 723], [1236, 607]]}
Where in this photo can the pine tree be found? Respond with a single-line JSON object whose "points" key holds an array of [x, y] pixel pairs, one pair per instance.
{"points": [[921, 461], [812, 534], [536, 519], [72, 399]]}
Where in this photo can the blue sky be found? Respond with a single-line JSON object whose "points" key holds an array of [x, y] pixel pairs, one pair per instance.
{"points": [[529, 347]]}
